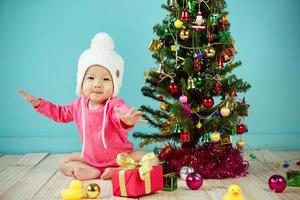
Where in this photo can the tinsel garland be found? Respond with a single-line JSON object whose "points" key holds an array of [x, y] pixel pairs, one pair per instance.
{"points": [[212, 161]]}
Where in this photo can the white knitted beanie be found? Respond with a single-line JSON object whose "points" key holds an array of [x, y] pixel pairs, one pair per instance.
{"points": [[101, 53]]}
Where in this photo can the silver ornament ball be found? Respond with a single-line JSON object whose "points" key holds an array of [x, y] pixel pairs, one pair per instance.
{"points": [[185, 170]]}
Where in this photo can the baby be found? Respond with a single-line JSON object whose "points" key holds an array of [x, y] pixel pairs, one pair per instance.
{"points": [[102, 119]]}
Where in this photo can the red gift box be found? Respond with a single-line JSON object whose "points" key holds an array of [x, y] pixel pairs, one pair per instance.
{"points": [[127, 182]]}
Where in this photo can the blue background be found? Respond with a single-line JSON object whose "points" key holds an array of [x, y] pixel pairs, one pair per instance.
{"points": [[40, 43]]}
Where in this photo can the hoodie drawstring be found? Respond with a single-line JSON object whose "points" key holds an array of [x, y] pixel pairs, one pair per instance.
{"points": [[83, 125], [104, 123]]}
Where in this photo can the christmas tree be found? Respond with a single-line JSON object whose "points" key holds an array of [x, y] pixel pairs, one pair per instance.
{"points": [[200, 108]]}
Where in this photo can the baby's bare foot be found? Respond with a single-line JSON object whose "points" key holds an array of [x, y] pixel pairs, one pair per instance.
{"points": [[108, 172], [83, 174]]}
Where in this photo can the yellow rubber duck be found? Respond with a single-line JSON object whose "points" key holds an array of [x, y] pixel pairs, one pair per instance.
{"points": [[74, 192], [234, 193]]}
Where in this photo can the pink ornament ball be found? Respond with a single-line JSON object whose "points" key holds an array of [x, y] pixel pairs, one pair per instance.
{"points": [[277, 183], [194, 181], [183, 99]]}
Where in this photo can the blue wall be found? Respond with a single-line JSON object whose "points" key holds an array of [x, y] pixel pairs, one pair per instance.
{"points": [[40, 42]]}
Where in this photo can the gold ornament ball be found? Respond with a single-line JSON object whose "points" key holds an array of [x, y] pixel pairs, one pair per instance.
{"points": [[225, 112], [92, 190], [178, 23], [215, 137], [184, 34], [240, 144]]}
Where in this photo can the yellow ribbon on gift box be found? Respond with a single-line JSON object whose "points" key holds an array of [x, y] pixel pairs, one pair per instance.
{"points": [[144, 166]]}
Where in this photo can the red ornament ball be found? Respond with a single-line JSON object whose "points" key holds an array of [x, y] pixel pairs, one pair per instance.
{"points": [[173, 88], [298, 163], [240, 129], [208, 102], [277, 183], [194, 181]]}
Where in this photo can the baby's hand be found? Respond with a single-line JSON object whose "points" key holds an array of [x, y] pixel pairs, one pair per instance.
{"points": [[131, 117], [30, 99]]}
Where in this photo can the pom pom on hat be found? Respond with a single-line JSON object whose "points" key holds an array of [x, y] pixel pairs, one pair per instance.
{"points": [[101, 52], [102, 40]]}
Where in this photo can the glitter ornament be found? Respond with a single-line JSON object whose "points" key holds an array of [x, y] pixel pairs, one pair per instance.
{"points": [[277, 183], [184, 171], [194, 181]]}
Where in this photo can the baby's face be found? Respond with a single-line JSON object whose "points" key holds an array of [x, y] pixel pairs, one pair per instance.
{"points": [[97, 84]]}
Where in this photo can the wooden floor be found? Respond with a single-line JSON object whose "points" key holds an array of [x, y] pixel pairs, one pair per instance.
{"points": [[35, 176]]}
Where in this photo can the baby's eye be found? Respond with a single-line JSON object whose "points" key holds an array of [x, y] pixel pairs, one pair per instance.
{"points": [[106, 79], [90, 78]]}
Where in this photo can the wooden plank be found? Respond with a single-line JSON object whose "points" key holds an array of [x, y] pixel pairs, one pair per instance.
{"points": [[52, 188], [12, 174], [31, 159], [288, 155], [33, 181], [270, 156], [8, 160]]}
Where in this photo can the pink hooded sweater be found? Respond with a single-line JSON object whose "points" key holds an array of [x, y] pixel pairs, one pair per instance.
{"points": [[102, 133]]}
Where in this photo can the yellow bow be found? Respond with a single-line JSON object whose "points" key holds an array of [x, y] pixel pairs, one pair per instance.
{"points": [[144, 165]]}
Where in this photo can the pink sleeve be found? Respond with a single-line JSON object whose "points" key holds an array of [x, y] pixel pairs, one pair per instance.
{"points": [[117, 121], [56, 112]]}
